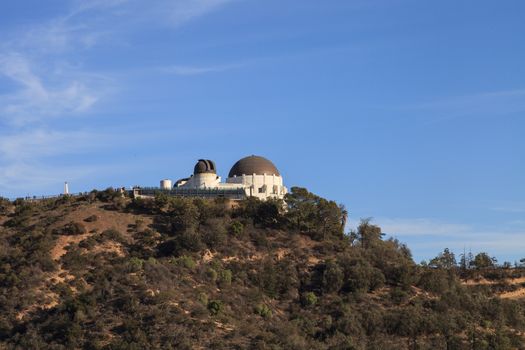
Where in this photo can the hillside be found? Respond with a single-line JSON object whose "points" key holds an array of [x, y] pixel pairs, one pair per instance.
{"points": [[105, 272]]}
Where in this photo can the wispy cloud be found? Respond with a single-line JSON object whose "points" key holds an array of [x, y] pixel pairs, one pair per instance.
{"points": [[510, 208], [197, 70], [33, 99], [40, 143], [185, 10], [33, 179], [24, 157], [30, 57], [421, 226], [491, 104], [131, 12], [427, 237]]}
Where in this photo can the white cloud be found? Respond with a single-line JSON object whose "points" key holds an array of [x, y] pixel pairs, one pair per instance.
{"points": [[492, 104], [421, 226], [30, 57], [511, 208], [39, 143], [185, 10], [22, 158], [34, 100], [426, 237], [194, 70], [35, 178], [119, 14]]}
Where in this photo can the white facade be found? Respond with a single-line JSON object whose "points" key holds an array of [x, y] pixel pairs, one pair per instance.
{"points": [[204, 180], [260, 186], [165, 184]]}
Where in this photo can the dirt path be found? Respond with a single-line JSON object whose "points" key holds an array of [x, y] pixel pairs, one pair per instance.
{"points": [[485, 282], [517, 294]]}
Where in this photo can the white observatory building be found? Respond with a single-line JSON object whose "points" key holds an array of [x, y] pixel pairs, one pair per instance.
{"points": [[254, 176]]}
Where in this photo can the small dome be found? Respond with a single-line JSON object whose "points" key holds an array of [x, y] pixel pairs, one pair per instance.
{"points": [[253, 165], [204, 166]]}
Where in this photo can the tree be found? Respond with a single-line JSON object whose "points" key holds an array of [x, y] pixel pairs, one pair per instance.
{"points": [[344, 216], [301, 208], [330, 218], [466, 260], [183, 215], [368, 235], [444, 260], [483, 261], [310, 213]]}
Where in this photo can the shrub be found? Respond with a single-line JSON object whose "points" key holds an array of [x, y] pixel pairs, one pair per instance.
{"points": [[236, 228], [259, 238], [113, 235], [91, 218], [398, 295], [88, 243], [225, 277], [215, 307], [214, 234], [263, 310], [135, 264], [203, 298], [186, 261], [180, 244], [267, 278], [107, 195], [434, 280], [152, 261], [211, 274], [309, 299], [73, 228], [332, 277]]}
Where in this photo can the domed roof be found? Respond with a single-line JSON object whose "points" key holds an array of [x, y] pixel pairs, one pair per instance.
{"points": [[253, 165], [204, 166]]}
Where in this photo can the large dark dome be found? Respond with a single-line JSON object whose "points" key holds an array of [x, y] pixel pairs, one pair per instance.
{"points": [[253, 165], [204, 166]]}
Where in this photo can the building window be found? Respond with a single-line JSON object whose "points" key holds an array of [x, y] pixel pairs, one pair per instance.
{"points": [[262, 189]]}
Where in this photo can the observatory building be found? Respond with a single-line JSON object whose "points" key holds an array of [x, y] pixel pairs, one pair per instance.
{"points": [[252, 176]]}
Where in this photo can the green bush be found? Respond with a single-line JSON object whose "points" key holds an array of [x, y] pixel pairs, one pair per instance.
{"points": [[135, 264], [309, 299], [215, 307], [398, 295], [236, 228], [332, 277], [211, 274], [185, 261], [263, 310], [225, 277], [73, 228], [112, 235], [203, 298]]}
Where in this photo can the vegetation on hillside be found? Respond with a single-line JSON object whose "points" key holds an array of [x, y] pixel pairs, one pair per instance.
{"points": [[105, 272]]}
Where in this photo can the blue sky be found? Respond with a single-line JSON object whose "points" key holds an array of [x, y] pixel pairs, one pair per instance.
{"points": [[410, 112]]}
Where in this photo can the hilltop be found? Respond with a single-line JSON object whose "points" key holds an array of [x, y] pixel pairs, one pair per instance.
{"points": [[102, 271]]}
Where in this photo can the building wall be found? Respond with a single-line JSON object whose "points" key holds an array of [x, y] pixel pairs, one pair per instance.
{"points": [[260, 186], [205, 180]]}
